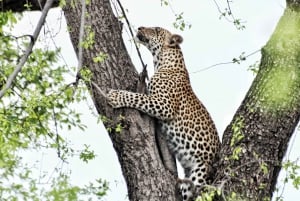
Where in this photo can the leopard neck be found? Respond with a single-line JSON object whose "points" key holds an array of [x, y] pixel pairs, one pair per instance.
{"points": [[167, 56], [155, 51]]}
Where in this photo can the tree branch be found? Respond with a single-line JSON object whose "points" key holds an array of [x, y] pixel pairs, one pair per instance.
{"points": [[28, 51], [131, 33]]}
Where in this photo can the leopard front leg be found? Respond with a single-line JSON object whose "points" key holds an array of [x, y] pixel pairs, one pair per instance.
{"points": [[115, 98], [157, 106]]}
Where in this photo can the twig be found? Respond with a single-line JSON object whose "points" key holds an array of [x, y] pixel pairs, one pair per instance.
{"points": [[220, 11], [81, 34], [17, 37], [225, 63], [236, 22], [131, 33], [57, 135], [99, 89], [28, 51], [230, 12]]}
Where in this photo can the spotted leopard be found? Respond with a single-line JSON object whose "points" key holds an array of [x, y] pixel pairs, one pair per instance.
{"points": [[190, 131]]}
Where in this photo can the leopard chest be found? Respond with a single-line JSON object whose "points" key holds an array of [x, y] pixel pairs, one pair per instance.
{"points": [[190, 139]]}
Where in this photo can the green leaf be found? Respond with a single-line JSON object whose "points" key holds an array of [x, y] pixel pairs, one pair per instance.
{"points": [[87, 154]]}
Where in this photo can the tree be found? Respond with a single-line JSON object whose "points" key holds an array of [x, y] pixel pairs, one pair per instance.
{"points": [[253, 144], [137, 137]]}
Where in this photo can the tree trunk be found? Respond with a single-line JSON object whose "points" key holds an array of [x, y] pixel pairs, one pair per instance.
{"points": [[256, 141], [144, 172]]}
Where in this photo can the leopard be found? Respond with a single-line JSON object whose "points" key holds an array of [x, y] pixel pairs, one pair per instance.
{"points": [[189, 129]]}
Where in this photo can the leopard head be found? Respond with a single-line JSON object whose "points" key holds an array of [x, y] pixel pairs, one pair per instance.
{"points": [[155, 38]]}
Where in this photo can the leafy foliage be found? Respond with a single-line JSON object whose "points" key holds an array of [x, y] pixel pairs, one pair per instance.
{"points": [[87, 154], [292, 169], [32, 114], [89, 39], [254, 67], [228, 15], [180, 23]]}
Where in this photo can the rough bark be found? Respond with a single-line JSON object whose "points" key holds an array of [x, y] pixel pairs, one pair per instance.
{"points": [[256, 141], [135, 145]]}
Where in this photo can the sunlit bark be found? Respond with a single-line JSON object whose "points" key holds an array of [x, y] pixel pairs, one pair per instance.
{"points": [[255, 142]]}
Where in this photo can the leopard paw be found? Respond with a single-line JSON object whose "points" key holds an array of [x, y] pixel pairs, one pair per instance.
{"points": [[187, 189], [114, 98]]}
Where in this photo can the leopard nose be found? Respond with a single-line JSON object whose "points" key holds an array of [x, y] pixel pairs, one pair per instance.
{"points": [[141, 28]]}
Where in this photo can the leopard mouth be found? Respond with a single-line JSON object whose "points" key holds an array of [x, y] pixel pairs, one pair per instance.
{"points": [[142, 38]]}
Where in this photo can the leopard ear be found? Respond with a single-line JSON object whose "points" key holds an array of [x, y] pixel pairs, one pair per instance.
{"points": [[174, 40]]}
